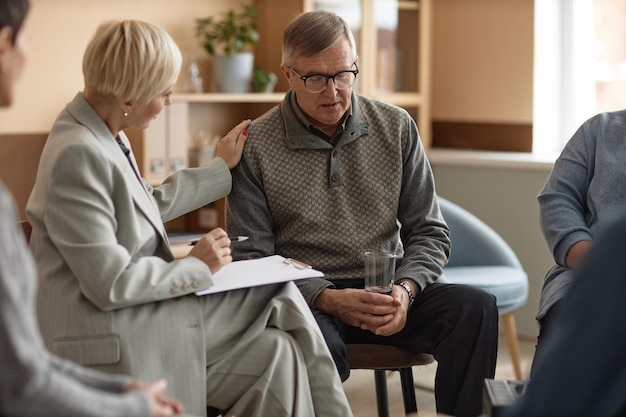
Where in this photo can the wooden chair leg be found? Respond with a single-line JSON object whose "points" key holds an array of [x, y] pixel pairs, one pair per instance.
{"points": [[510, 330], [382, 399], [408, 390]]}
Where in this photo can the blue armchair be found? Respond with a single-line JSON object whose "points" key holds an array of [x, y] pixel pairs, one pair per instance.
{"points": [[481, 258]]}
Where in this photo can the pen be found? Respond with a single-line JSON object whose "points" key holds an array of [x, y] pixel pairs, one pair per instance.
{"points": [[232, 239]]}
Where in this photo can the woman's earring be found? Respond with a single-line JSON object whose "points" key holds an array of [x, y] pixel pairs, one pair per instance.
{"points": [[125, 114]]}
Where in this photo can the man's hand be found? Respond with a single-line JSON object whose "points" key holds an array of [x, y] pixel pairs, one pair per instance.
{"points": [[401, 302], [381, 314]]}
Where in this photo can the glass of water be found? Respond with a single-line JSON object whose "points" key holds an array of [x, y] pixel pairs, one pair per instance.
{"points": [[380, 269]]}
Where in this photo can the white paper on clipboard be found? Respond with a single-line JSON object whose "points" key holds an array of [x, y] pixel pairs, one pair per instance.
{"points": [[255, 272]]}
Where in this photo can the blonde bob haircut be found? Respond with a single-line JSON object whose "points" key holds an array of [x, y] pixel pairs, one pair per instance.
{"points": [[131, 60]]}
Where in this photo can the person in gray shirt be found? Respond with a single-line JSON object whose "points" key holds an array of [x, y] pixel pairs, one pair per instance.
{"points": [[584, 191]]}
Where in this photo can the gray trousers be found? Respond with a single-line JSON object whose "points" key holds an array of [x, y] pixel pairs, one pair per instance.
{"points": [[267, 357]]}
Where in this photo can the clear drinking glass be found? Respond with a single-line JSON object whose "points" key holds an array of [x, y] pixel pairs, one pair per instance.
{"points": [[380, 269]]}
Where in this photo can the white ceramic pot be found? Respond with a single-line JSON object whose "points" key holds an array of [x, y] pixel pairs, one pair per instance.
{"points": [[232, 74]]}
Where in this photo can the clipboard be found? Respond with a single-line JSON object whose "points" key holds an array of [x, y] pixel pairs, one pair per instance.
{"points": [[262, 271]]}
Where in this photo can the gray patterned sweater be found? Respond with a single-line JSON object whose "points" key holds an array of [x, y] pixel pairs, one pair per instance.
{"points": [[297, 195]]}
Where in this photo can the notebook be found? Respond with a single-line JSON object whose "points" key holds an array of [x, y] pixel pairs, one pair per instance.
{"points": [[252, 272]]}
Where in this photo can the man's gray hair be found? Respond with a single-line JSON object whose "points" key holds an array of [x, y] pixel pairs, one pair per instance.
{"points": [[313, 32]]}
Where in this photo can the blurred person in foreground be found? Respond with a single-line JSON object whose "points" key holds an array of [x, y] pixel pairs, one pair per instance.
{"points": [[328, 174], [590, 327], [35, 383], [113, 296]]}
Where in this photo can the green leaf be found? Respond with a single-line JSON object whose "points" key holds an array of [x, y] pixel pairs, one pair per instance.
{"points": [[233, 33]]}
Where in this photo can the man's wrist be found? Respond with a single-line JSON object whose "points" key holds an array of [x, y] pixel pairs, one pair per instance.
{"points": [[409, 289], [323, 301]]}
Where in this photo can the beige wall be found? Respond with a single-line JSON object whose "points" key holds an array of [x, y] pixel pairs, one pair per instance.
{"points": [[483, 60], [59, 32]]}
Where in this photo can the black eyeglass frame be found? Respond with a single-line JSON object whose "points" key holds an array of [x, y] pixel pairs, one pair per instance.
{"points": [[327, 77]]}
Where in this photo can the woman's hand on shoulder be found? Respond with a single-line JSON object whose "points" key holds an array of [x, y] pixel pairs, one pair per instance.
{"points": [[230, 147]]}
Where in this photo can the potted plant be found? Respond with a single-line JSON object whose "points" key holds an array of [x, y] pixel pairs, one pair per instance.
{"points": [[263, 81], [229, 40]]}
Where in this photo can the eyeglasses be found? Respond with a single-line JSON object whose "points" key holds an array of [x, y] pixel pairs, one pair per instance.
{"points": [[316, 83]]}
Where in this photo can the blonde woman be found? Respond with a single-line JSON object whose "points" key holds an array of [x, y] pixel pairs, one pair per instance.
{"points": [[35, 383]]}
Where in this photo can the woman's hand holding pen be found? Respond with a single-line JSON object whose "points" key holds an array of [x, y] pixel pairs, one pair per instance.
{"points": [[213, 249], [230, 147]]}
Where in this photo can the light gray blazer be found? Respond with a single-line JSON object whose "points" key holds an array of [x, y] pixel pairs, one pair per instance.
{"points": [[111, 294]]}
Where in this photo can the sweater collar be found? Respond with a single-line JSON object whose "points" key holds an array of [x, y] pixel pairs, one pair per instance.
{"points": [[298, 128]]}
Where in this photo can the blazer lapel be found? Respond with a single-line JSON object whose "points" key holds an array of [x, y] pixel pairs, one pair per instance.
{"points": [[144, 201], [83, 112]]}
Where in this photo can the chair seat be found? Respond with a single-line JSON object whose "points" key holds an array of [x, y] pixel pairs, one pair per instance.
{"points": [[366, 356], [508, 284]]}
